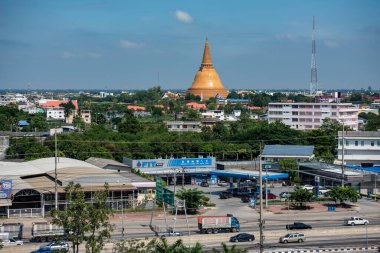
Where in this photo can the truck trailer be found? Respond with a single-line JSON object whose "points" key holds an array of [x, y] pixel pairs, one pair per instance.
{"points": [[216, 224], [13, 229], [45, 231]]}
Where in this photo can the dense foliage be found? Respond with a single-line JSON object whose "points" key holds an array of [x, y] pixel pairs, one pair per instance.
{"points": [[300, 197], [83, 221], [343, 194], [144, 140], [161, 245]]}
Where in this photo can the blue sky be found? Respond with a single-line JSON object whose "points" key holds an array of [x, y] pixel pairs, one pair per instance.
{"points": [[125, 44]]}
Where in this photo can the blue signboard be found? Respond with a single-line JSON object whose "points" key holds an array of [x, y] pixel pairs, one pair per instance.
{"points": [[190, 162], [5, 189]]}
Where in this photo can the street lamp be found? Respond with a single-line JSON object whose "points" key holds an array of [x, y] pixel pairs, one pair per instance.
{"points": [[342, 152]]}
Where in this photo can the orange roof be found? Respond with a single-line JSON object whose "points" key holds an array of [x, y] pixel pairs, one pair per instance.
{"points": [[196, 105], [136, 108], [254, 107], [56, 103]]}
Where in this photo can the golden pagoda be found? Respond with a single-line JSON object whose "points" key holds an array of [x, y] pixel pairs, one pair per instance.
{"points": [[206, 82]]}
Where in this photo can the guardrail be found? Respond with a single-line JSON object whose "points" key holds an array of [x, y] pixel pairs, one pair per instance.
{"points": [[25, 212]]}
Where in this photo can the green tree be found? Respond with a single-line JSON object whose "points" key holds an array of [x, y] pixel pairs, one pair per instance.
{"points": [[194, 199], [343, 194], [38, 151], [83, 221], [98, 222], [135, 246], [227, 249], [67, 108], [290, 166], [162, 246], [129, 124], [75, 219], [301, 196]]}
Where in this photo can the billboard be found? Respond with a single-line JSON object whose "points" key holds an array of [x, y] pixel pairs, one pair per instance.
{"points": [[5, 189], [174, 163]]}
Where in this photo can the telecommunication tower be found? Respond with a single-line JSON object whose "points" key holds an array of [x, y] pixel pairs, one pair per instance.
{"points": [[313, 76]]}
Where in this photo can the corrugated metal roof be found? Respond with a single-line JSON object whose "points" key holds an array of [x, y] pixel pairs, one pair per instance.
{"points": [[288, 151], [102, 162]]}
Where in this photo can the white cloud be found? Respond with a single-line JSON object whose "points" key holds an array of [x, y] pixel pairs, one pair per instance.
{"points": [[183, 16], [130, 44], [68, 55], [86, 55], [331, 43]]}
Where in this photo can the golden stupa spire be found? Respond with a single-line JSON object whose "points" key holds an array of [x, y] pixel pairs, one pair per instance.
{"points": [[206, 82], [206, 61]]}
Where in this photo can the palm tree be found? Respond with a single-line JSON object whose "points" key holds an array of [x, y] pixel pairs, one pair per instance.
{"points": [[232, 249], [162, 246], [197, 248]]}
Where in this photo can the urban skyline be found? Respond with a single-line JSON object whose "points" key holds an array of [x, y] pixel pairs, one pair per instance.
{"points": [[127, 45]]}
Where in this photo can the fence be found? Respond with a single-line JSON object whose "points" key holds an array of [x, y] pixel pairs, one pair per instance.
{"points": [[25, 212]]}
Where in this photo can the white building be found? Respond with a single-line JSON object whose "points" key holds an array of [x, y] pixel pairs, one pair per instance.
{"points": [[213, 114], [359, 147], [55, 113], [304, 116], [184, 126]]}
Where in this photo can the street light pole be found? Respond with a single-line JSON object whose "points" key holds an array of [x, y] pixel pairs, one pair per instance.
{"points": [[261, 205], [266, 187], [342, 153], [55, 169]]}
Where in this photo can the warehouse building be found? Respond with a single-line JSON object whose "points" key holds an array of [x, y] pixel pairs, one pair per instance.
{"points": [[31, 185]]}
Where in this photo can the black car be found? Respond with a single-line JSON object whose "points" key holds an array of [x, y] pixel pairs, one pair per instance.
{"points": [[225, 195], [298, 225], [245, 199], [205, 184], [242, 237]]}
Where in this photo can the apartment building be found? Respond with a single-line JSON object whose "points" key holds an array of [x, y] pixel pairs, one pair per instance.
{"points": [[184, 126], [305, 116], [55, 113], [85, 116], [359, 147]]}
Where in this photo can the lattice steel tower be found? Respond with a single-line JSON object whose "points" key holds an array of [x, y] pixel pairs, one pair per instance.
{"points": [[313, 76]]}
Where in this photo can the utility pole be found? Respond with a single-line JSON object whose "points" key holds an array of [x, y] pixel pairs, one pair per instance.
{"points": [[342, 153], [55, 169], [266, 187], [261, 221]]}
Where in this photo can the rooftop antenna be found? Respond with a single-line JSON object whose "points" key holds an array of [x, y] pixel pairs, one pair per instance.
{"points": [[313, 76]]}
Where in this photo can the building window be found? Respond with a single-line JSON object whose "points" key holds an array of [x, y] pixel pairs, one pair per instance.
{"points": [[347, 143], [362, 143], [378, 143], [340, 143], [372, 143], [356, 143]]}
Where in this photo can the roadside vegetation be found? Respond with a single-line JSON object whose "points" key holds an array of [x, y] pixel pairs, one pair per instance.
{"points": [[161, 245]]}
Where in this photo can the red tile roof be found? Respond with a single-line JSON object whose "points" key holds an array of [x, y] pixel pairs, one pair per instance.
{"points": [[195, 105], [56, 103], [136, 108]]}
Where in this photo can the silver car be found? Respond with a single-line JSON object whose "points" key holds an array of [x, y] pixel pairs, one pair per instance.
{"points": [[293, 237]]}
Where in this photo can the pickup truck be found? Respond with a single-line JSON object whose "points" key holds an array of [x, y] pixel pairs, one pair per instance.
{"points": [[298, 225], [12, 242], [355, 221], [169, 234]]}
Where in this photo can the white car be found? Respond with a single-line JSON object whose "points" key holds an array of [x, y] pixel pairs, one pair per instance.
{"points": [[223, 183], [323, 191], [307, 187], [169, 234], [12, 242], [59, 246]]}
